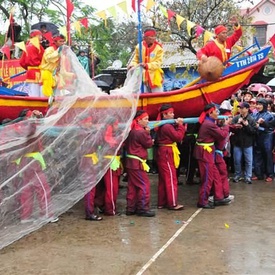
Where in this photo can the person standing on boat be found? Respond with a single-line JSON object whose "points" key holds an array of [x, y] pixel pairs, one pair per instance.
{"points": [[30, 61], [49, 64], [168, 159], [209, 134], [221, 46], [136, 145], [152, 59]]}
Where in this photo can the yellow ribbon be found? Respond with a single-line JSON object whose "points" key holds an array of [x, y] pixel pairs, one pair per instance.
{"points": [[115, 164], [37, 156], [143, 162], [17, 161], [206, 146], [176, 153], [93, 156]]}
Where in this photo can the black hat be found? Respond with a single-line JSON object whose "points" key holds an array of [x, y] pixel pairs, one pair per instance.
{"points": [[244, 105]]}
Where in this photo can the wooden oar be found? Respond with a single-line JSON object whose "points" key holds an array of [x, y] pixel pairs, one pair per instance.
{"points": [[195, 81]]}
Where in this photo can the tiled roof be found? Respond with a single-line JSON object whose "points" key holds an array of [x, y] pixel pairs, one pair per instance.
{"points": [[175, 56]]}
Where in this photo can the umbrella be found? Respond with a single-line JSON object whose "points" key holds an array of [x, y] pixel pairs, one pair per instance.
{"points": [[271, 82], [50, 27]]}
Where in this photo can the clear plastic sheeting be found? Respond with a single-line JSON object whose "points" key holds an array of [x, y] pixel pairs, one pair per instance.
{"points": [[48, 164]]}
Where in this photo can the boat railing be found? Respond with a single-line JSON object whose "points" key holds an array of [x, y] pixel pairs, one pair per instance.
{"points": [[256, 44]]}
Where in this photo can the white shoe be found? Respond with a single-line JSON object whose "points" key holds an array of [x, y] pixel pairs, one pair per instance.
{"points": [[211, 199], [27, 221], [53, 220], [231, 197]]}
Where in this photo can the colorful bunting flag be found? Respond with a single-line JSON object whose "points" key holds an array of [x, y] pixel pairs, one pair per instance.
{"points": [[170, 15], [77, 26], [6, 50], [70, 8], [199, 30], [102, 14], [123, 5], [272, 40], [189, 26], [112, 11], [207, 36], [21, 46], [135, 4], [163, 10], [150, 4], [36, 42], [84, 22], [179, 20]]}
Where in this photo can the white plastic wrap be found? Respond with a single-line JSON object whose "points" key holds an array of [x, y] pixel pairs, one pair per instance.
{"points": [[41, 175]]}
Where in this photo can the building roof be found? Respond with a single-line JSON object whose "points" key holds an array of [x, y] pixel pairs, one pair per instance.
{"points": [[175, 56], [258, 6], [260, 22]]}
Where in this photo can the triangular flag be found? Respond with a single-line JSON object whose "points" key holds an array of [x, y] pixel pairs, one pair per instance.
{"points": [[163, 10], [84, 22], [77, 26], [70, 8], [207, 36], [112, 11], [170, 14], [189, 26], [179, 20], [123, 6], [134, 6], [272, 40], [21, 46], [36, 42], [199, 30], [63, 31], [102, 14], [150, 4], [6, 50]]}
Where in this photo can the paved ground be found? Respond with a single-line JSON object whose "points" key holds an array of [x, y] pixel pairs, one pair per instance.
{"points": [[234, 239]]}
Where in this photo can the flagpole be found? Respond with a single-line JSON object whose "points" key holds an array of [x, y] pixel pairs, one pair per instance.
{"points": [[140, 40]]}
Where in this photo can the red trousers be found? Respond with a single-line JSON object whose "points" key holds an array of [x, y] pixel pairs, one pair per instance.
{"points": [[210, 177], [168, 183], [34, 184], [222, 168], [111, 181], [138, 191], [86, 167]]}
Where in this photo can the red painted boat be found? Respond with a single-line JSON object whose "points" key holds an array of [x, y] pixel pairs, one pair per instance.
{"points": [[187, 102]]}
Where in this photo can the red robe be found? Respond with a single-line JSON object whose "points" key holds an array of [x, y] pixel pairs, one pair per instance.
{"points": [[168, 181], [222, 51], [138, 190], [31, 62], [209, 133]]}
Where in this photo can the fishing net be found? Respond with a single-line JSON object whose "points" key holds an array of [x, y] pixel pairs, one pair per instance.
{"points": [[48, 164]]}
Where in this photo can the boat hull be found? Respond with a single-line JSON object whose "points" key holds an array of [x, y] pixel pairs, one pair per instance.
{"points": [[187, 102]]}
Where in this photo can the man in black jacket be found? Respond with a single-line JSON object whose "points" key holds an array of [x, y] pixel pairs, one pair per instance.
{"points": [[244, 128]]}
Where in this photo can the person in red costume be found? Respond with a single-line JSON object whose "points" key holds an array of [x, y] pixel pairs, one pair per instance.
{"points": [[111, 178], [89, 162], [221, 46], [136, 145], [152, 59], [220, 153], [204, 152], [168, 158], [30, 61]]}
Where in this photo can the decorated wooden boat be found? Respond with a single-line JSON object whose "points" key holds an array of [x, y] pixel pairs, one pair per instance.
{"points": [[188, 101]]}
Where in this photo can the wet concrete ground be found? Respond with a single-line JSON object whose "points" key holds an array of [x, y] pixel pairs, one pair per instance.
{"points": [[234, 239]]}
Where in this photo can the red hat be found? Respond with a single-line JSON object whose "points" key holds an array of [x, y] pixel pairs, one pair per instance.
{"points": [[35, 33], [220, 29], [150, 32]]}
